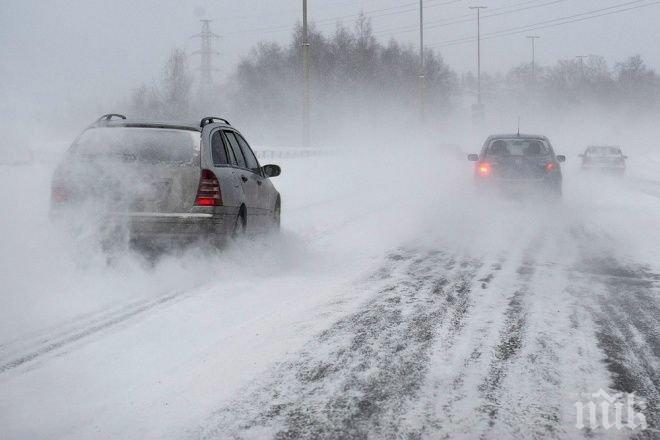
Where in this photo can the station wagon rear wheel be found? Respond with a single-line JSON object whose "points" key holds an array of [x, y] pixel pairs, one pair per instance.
{"points": [[240, 224]]}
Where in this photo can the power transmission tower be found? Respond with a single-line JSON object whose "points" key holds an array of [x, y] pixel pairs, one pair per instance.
{"points": [[206, 53], [306, 87]]}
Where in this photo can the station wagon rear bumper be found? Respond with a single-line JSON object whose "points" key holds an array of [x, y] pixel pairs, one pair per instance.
{"points": [[183, 227], [164, 228]]}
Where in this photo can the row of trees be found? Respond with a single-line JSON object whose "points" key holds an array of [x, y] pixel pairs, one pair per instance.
{"points": [[629, 84], [353, 74], [357, 79]]}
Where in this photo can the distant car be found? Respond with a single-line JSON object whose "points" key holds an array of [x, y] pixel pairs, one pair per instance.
{"points": [[518, 164], [604, 158], [166, 183]]}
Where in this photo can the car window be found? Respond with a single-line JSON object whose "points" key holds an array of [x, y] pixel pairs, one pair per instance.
{"points": [[236, 149], [250, 158], [230, 153], [518, 147], [603, 151], [218, 151], [142, 144]]}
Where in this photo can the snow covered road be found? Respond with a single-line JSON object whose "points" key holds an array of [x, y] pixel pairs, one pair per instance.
{"points": [[375, 314]]}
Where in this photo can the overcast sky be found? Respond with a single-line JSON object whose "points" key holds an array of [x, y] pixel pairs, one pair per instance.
{"points": [[60, 50]]}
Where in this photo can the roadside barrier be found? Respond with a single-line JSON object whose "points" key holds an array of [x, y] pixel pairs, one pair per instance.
{"points": [[51, 155], [294, 153]]}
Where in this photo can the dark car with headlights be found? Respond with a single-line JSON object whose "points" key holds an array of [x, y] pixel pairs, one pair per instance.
{"points": [[518, 164], [164, 183]]}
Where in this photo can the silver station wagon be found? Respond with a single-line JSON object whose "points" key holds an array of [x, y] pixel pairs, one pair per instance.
{"points": [[162, 183]]}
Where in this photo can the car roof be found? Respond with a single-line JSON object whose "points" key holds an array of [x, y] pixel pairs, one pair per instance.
{"points": [[145, 123], [517, 136]]}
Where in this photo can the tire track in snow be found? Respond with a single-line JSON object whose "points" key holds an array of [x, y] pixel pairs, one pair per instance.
{"points": [[498, 376], [625, 305], [510, 343], [628, 319], [539, 392], [356, 377], [23, 352], [429, 414]]}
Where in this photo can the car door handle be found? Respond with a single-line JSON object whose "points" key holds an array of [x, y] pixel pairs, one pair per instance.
{"points": [[244, 179]]}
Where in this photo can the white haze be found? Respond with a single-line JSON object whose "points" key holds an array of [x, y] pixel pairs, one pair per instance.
{"points": [[235, 312], [69, 59], [227, 316]]}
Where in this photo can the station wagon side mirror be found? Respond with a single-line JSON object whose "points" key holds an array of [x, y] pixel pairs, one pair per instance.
{"points": [[473, 157], [271, 170], [561, 158]]}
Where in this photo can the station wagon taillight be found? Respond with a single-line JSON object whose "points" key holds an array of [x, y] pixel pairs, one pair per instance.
{"points": [[208, 193], [550, 166]]}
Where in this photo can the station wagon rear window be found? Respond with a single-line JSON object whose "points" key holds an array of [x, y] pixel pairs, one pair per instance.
{"points": [[142, 144]]}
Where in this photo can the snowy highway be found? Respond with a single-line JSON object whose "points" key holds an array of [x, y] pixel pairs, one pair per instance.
{"points": [[377, 312]]}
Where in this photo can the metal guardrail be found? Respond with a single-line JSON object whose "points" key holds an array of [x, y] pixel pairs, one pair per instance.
{"points": [[294, 153], [51, 155]]}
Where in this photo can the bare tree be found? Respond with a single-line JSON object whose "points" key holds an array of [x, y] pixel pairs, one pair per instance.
{"points": [[177, 84], [171, 99]]}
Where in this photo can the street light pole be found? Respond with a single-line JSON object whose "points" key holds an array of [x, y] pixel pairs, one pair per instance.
{"points": [[422, 76], [478, 8], [533, 38], [478, 108], [306, 92]]}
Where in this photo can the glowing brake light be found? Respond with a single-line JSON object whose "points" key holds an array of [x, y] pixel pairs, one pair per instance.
{"points": [[484, 169], [550, 166], [208, 192]]}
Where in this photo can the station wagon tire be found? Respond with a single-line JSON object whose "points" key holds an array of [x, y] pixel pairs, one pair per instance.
{"points": [[240, 224]]}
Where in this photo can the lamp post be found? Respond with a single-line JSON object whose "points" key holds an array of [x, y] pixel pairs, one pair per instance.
{"points": [[478, 108], [306, 92], [533, 38], [478, 9], [422, 76]]}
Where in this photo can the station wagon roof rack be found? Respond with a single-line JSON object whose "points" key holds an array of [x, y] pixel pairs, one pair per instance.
{"points": [[210, 119], [109, 117]]}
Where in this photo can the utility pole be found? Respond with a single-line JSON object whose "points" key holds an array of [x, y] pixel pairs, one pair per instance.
{"points": [[422, 73], [478, 108], [306, 91], [206, 52], [478, 8], [533, 38]]}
